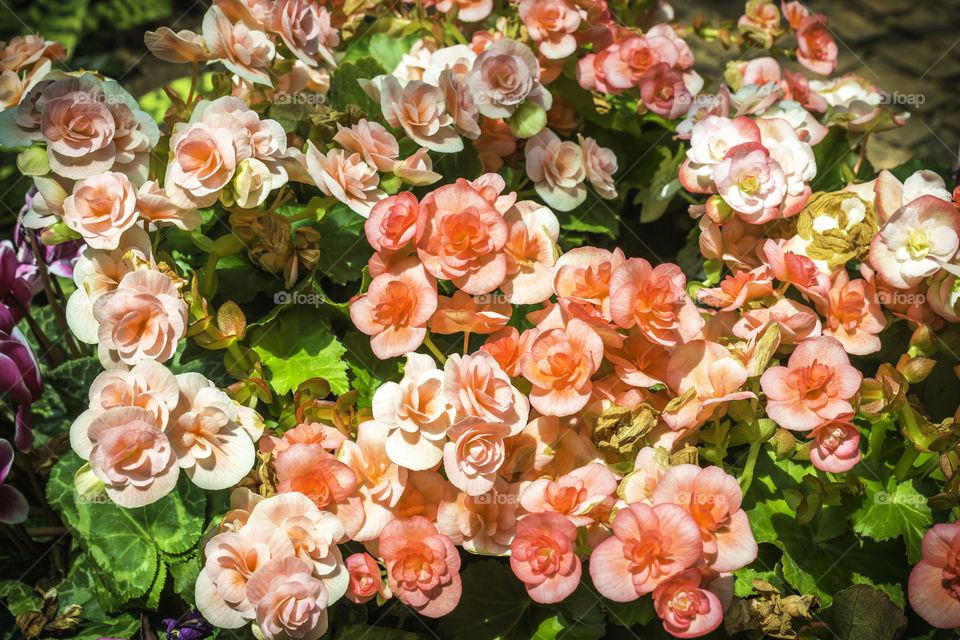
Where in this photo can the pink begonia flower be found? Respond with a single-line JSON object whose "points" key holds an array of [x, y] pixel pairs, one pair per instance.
{"points": [[491, 187], [413, 64], [474, 453], [418, 109], [543, 556], [664, 92], [687, 609], [557, 169], [377, 145], [653, 299], [468, 314], [422, 566], [475, 386], [290, 603], [416, 413], [242, 502], [738, 289], [795, 157], [751, 182], [600, 164], [835, 445], [853, 314], [735, 243], [648, 467], [457, 59], [484, 524], [710, 140], [796, 87], [713, 498], [888, 194], [495, 143], [417, 169], [460, 104], [149, 385], [530, 252], [648, 546], [460, 237], [313, 533], [101, 208], [794, 11], [796, 269], [816, 49], [421, 495], [153, 205], [807, 127], [915, 241], [934, 584], [713, 373], [142, 319], [559, 366], [178, 47], [307, 468], [796, 322], [25, 50], [381, 481], [583, 275], [392, 224], [640, 362], [395, 310], [131, 456], [507, 346], [366, 581], [231, 561], [817, 384], [574, 495], [305, 29], [242, 50], [504, 76], [307, 433], [551, 25], [469, 10], [346, 177]]}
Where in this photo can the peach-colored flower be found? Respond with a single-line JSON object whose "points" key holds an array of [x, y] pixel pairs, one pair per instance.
{"points": [[649, 545], [417, 169], [457, 59], [308, 469], [547, 446], [640, 362], [418, 109], [101, 208], [395, 310], [422, 566], [381, 481], [28, 49], [460, 237], [377, 145], [346, 177], [421, 495], [242, 502], [713, 498], [469, 10], [475, 386], [559, 366], [648, 467], [710, 140], [551, 24], [735, 242], [153, 205], [934, 584], [131, 456], [750, 182], [413, 64], [460, 104], [796, 269], [465, 313], [530, 252], [816, 49], [583, 275], [504, 76], [687, 609], [305, 29], [507, 346], [557, 169], [575, 495], [816, 385], [309, 433], [474, 454], [600, 164], [366, 580], [142, 319], [853, 314], [495, 143], [177, 47], [835, 445], [416, 414], [794, 11], [796, 322], [243, 50], [653, 299], [737, 289], [290, 603], [664, 91], [543, 556], [483, 524], [392, 224]]}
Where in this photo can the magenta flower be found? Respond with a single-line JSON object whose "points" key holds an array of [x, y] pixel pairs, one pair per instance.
{"points": [[13, 506], [19, 376]]}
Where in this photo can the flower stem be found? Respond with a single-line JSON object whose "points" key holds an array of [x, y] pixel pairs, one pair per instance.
{"points": [[746, 477], [433, 349], [905, 463], [52, 299]]}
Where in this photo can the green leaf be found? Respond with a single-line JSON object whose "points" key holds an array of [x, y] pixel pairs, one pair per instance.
{"points": [[82, 586], [627, 614], [387, 49], [369, 371], [492, 603], [153, 596], [185, 576], [343, 246], [582, 614], [895, 510], [19, 597], [549, 629], [123, 626], [864, 613], [345, 90], [298, 345], [657, 194], [463, 164]]}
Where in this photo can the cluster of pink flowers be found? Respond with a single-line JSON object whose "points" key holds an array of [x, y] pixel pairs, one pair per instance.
{"points": [[24, 61]]}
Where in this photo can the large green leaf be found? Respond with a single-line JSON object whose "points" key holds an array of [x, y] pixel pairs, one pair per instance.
{"points": [[344, 250], [896, 509], [863, 613]]}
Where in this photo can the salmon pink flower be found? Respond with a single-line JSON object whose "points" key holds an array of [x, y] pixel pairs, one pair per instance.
{"points": [[600, 164], [529, 249], [475, 386], [395, 310], [736, 290], [583, 275], [796, 269], [505, 75], [290, 603], [648, 467], [853, 314], [816, 49], [574, 495], [653, 299], [460, 237], [664, 92], [836, 445], [543, 556], [153, 205], [796, 322], [465, 313], [377, 145], [381, 481], [687, 609], [417, 169], [648, 546], [495, 143], [243, 50], [305, 29], [308, 433], [934, 585], [507, 346], [551, 25], [392, 224], [474, 454], [177, 47], [346, 177], [422, 495], [557, 169], [101, 208], [366, 580], [559, 366], [422, 566], [816, 385], [710, 140], [713, 498], [418, 109], [469, 10], [416, 414], [483, 524], [460, 104], [640, 362]]}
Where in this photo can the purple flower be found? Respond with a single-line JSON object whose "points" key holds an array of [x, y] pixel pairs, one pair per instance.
{"points": [[60, 259], [20, 380], [191, 626], [15, 292], [13, 506]]}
